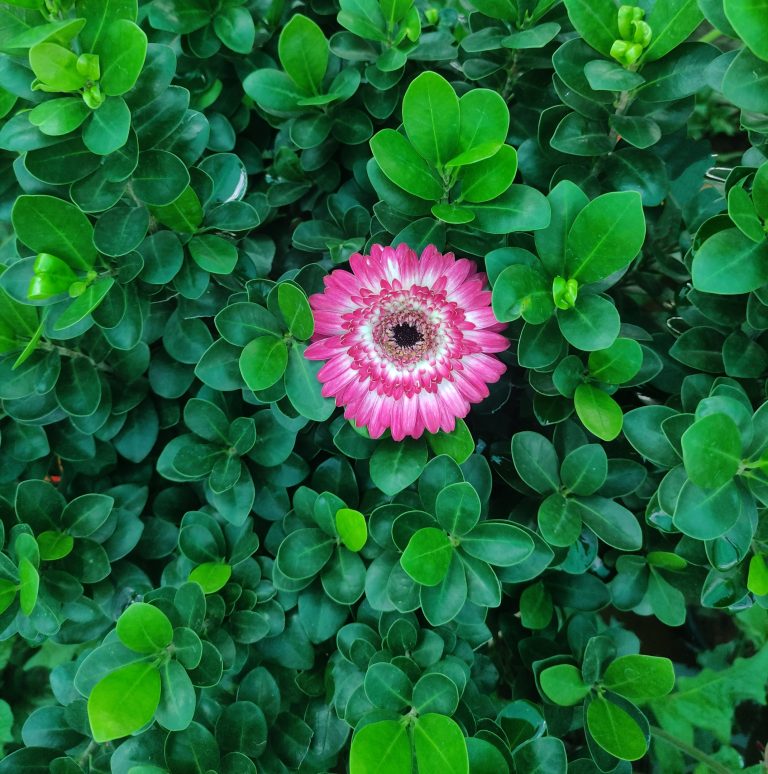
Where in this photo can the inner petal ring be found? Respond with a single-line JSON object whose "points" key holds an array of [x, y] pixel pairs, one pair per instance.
{"points": [[405, 336]]}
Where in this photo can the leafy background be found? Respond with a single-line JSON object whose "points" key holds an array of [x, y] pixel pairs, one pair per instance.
{"points": [[204, 567]]}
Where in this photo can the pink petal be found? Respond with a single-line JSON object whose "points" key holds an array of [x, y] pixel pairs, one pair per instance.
{"points": [[322, 349]]}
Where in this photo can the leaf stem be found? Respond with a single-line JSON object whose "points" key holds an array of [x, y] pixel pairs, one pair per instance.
{"points": [[73, 353], [690, 751], [711, 36]]}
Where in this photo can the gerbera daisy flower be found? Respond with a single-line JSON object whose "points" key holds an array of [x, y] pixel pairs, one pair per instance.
{"points": [[408, 340]]}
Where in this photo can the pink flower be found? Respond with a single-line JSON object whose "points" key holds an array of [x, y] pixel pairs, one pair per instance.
{"points": [[407, 340]]}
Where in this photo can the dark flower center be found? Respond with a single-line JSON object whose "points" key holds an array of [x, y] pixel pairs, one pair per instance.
{"points": [[406, 335]]}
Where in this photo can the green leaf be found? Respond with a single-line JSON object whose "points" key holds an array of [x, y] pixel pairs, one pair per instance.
{"points": [[760, 191], [304, 553], [729, 263], [54, 545], [18, 324], [712, 451], [98, 14], [744, 82], [612, 523], [242, 726], [431, 118], [440, 745], [749, 18], [387, 686], [536, 608], [394, 466], [483, 126], [563, 685], [742, 212], [7, 594], [522, 291], [365, 18], [263, 361], [595, 21], [84, 304], [639, 678], [381, 748], [435, 692], [585, 469], [541, 755], [617, 363], [235, 29], [274, 91], [213, 253], [303, 52], [592, 324], [500, 543], [121, 51], [303, 387], [458, 508], [705, 514], [536, 461], [458, 444], [535, 37], [85, 514], [559, 520], [611, 76], [566, 200], [144, 628], [629, 170], [485, 758], [400, 162], [56, 67], [352, 528], [184, 213], [442, 603], [427, 556], [212, 576], [707, 701], [605, 237], [519, 208], [701, 348], [296, 311], [29, 585], [108, 130], [241, 322], [483, 587], [452, 213], [207, 420], [757, 577], [672, 22], [60, 31], [178, 700], [160, 177], [124, 701], [598, 411], [615, 730], [581, 136], [47, 224], [59, 116], [678, 75]]}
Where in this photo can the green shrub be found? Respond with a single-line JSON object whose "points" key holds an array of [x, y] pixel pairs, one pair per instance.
{"points": [[205, 564]]}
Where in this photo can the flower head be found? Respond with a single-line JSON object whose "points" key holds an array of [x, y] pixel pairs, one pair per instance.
{"points": [[407, 340]]}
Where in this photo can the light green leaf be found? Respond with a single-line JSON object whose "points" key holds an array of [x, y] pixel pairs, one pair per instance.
{"points": [[431, 118], [124, 701], [427, 556], [381, 748], [303, 52], [440, 745]]}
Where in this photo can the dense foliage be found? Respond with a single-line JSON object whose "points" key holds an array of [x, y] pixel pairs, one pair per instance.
{"points": [[204, 567]]}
